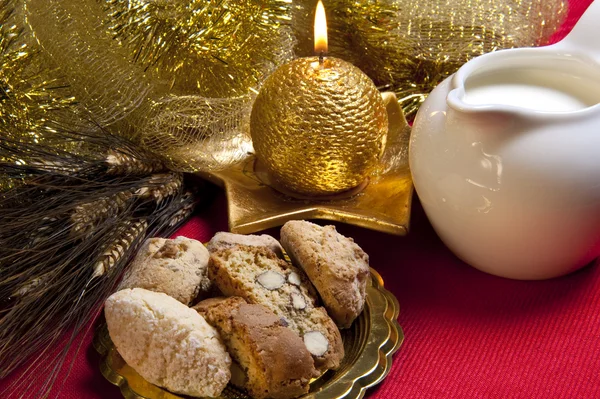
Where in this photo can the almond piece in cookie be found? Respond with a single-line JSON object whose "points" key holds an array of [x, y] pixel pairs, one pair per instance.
{"points": [[176, 267], [336, 265], [237, 271], [276, 362], [316, 343], [271, 280], [167, 343], [224, 239]]}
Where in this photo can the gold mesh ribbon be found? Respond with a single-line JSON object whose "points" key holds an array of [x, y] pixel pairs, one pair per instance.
{"points": [[177, 75], [410, 46], [200, 133]]}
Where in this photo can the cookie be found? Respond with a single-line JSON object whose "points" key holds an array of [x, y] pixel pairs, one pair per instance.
{"points": [[176, 267], [259, 276], [167, 343], [336, 265], [223, 240], [277, 364]]}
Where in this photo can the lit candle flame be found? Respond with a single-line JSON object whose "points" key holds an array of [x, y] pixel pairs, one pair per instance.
{"points": [[320, 29]]}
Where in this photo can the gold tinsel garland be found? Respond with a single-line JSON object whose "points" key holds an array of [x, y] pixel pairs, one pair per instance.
{"points": [[31, 94], [197, 47], [143, 66]]}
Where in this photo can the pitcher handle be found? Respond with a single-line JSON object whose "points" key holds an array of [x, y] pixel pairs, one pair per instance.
{"points": [[585, 35]]}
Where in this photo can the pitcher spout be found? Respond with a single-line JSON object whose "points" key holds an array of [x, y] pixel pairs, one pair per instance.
{"points": [[528, 82], [457, 102]]}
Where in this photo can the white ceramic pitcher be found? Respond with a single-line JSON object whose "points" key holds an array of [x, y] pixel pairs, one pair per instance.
{"points": [[505, 157]]}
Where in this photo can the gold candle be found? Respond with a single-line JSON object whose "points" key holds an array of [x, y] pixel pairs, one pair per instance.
{"points": [[318, 124]]}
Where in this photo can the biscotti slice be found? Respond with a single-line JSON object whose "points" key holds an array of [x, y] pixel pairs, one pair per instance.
{"points": [[167, 343], [336, 265], [224, 239], [276, 363], [176, 267], [259, 276]]}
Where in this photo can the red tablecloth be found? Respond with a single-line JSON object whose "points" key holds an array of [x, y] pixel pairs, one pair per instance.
{"points": [[468, 334]]}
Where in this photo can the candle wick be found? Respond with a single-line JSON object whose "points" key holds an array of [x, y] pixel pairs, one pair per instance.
{"points": [[321, 56]]}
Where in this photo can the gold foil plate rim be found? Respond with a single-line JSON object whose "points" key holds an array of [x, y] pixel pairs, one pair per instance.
{"points": [[370, 343]]}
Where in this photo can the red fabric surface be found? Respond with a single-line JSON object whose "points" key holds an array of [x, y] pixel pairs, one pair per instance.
{"points": [[468, 334]]}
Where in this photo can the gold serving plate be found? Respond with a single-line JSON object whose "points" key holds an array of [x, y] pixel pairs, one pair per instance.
{"points": [[369, 345], [381, 203]]}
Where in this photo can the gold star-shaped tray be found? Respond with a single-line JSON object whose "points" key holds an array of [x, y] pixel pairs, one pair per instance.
{"points": [[369, 345], [382, 203]]}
